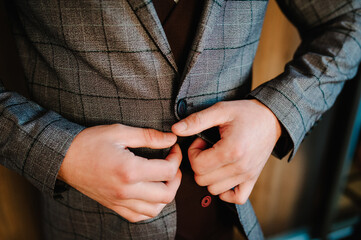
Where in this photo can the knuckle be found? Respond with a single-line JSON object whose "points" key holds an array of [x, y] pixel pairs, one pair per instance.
{"points": [[168, 197], [119, 170], [195, 119], [157, 210], [241, 199], [174, 170], [200, 180], [128, 177], [171, 171], [132, 219], [128, 174], [153, 213], [212, 190], [120, 193], [240, 167], [219, 106], [116, 127], [149, 135], [249, 175], [137, 218], [225, 158], [168, 176], [236, 153], [199, 170]]}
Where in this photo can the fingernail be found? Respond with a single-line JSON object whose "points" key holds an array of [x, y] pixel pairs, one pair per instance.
{"points": [[180, 126]]}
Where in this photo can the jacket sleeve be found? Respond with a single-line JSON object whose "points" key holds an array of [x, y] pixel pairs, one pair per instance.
{"points": [[329, 54], [33, 140]]}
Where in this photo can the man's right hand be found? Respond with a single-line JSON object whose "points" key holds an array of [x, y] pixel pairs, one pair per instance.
{"points": [[100, 165]]}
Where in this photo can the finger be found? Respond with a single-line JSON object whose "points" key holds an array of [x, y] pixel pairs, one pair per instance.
{"points": [[157, 170], [234, 170], [226, 184], [144, 137], [130, 215], [198, 146], [200, 121], [203, 160], [143, 207], [175, 155], [173, 185], [154, 192], [218, 175], [240, 194]]}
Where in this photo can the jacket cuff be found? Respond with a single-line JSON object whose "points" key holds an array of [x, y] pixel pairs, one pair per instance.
{"points": [[34, 141], [47, 154]]}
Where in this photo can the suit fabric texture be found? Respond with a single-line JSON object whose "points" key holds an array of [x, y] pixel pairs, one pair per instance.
{"points": [[101, 62]]}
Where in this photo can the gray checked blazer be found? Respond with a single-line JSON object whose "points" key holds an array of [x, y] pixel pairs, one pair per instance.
{"points": [[91, 62]]}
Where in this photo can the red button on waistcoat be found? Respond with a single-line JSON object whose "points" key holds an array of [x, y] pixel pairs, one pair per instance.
{"points": [[206, 201]]}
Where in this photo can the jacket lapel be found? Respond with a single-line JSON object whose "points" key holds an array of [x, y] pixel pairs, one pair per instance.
{"points": [[148, 17], [206, 23]]}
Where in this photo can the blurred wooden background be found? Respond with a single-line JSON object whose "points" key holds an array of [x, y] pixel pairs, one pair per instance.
{"points": [[19, 201], [281, 195], [275, 196]]}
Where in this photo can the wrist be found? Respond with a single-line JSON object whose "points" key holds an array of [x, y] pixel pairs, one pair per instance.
{"points": [[270, 116], [61, 173], [64, 172]]}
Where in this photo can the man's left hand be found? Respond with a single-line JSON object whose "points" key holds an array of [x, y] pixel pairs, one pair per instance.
{"points": [[230, 168]]}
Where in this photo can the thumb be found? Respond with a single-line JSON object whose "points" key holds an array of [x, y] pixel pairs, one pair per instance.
{"points": [[200, 121]]}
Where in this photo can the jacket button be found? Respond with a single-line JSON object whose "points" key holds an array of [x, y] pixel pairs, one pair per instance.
{"points": [[206, 201], [182, 108]]}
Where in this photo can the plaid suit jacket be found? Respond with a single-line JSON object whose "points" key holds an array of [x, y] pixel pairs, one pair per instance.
{"points": [[100, 62]]}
